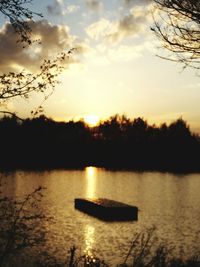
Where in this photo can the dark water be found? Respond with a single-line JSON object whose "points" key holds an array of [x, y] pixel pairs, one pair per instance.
{"points": [[170, 202]]}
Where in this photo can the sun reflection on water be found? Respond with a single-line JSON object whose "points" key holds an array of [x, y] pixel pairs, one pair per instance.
{"points": [[91, 175], [89, 240]]}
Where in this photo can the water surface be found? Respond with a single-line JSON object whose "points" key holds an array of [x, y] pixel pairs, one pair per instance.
{"points": [[170, 202]]}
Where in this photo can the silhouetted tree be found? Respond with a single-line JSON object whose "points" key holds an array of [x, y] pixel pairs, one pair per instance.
{"points": [[179, 128], [19, 224], [118, 143], [110, 129], [179, 30], [18, 13], [22, 84]]}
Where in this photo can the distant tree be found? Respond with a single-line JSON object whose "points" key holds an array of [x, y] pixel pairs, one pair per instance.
{"points": [[111, 128], [180, 130], [179, 30], [140, 124]]}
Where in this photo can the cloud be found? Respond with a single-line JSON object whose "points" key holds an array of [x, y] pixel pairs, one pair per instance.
{"points": [[54, 39], [136, 2], [101, 28], [115, 31], [94, 5], [57, 8], [71, 9]]}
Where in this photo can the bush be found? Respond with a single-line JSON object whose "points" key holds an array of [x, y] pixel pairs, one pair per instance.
{"points": [[19, 226]]}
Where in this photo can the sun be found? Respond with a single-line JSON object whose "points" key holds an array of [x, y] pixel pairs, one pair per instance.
{"points": [[91, 120]]}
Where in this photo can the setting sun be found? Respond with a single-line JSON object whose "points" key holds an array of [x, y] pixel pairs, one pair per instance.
{"points": [[91, 120]]}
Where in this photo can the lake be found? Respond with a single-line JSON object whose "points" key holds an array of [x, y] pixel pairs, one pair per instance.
{"points": [[168, 201]]}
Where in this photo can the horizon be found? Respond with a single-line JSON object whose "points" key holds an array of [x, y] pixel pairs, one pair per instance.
{"points": [[93, 121]]}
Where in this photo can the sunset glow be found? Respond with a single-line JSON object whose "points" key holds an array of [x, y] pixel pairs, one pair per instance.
{"points": [[114, 71], [91, 120]]}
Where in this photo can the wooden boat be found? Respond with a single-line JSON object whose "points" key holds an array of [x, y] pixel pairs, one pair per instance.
{"points": [[106, 209]]}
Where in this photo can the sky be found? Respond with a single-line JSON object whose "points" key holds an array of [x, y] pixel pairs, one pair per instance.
{"points": [[115, 69]]}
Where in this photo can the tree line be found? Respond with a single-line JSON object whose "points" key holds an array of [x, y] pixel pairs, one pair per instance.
{"points": [[116, 143]]}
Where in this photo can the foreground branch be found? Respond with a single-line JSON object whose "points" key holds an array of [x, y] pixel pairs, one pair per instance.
{"points": [[178, 28], [18, 16]]}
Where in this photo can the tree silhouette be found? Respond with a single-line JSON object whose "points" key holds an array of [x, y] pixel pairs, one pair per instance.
{"points": [[18, 14], [19, 224], [179, 30], [23, 83], [118, 142]]}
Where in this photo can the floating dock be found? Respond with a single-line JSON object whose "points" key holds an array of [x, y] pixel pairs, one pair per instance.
{"points": [[106, 209]]}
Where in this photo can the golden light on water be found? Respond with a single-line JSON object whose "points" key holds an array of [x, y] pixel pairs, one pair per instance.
{"points": [[91, 175], [91, 120], [89, 239]]}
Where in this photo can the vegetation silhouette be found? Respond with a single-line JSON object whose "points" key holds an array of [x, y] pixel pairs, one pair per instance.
{"points": [[22, 83], [18, 14], [145, 251], [20, 228], [116, 143], [178, 29]]}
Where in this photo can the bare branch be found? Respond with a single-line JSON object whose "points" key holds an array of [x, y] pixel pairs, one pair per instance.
{"points": [[18, 14], [178, 28], [22, 84], [12, 114]]}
